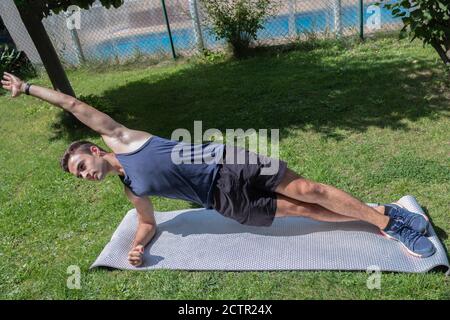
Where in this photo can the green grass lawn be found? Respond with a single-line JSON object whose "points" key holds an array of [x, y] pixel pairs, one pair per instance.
{"points": [[372, 119]]}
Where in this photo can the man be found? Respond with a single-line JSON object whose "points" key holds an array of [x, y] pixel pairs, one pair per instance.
{"points": [[146, 166]]}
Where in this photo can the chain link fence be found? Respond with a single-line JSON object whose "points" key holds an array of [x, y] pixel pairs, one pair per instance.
{"points": [[143, 27]]}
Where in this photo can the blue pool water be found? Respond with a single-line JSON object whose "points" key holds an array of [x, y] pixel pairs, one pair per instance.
{"points": [[277, 27]]}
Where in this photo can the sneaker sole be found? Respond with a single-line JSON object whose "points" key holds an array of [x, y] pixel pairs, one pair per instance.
{"points": [[409, 251]]}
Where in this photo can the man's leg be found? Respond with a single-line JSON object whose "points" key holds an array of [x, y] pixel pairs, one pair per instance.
{"points": [[287, 207], [331, 198]]}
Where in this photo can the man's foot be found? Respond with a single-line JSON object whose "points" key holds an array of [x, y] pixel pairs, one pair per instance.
{"points": [[413, 220], [413, 241]]}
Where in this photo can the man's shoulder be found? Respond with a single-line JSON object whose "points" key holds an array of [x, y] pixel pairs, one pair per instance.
{"points": [[127, 141]]}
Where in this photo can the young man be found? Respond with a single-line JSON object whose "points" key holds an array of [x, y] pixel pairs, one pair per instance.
{"points": [[237, 190]]}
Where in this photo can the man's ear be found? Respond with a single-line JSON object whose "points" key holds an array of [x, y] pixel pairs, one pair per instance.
{"points": [[96, 151]]}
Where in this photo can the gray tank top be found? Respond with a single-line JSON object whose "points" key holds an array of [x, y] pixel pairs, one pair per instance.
{"points": [[173, 169]]}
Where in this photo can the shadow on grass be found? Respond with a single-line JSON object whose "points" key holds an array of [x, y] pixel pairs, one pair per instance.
{"points": [[306, 90], [441, 234]]}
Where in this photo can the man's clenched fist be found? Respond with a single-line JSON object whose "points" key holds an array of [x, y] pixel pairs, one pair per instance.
{"points": [[135, 256]]}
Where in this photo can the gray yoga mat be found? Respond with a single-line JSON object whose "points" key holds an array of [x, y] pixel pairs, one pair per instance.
{"points": [[199, 239]]}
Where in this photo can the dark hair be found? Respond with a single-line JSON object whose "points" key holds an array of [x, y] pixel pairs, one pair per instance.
{"points": [[77, 147]]}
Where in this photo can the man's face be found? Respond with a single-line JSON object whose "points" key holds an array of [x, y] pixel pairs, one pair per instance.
{"points": [[86, 166]]}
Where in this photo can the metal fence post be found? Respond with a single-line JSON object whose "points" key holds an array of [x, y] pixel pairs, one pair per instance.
{"points": [[337, 11], [291, 21], [77, 45], [74, 35], [168, 28], [193, 8], [361, 19]]}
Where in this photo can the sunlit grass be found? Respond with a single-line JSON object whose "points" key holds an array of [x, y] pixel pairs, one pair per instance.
{"points": [[372, 119]]}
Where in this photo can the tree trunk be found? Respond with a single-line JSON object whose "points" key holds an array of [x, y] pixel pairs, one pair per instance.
{"points": [[51, 62], [443, 53], [447, 46], [47, 53]]}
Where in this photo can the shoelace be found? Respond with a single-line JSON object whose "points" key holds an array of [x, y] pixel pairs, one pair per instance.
{"points": [[397, 215], [408, 235], [399, 223]]}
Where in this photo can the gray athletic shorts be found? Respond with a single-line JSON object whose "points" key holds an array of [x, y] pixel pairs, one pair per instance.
{"points": [[244, 191]]}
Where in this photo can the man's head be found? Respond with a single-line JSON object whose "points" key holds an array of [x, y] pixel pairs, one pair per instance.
{"points": [[85, 160]]}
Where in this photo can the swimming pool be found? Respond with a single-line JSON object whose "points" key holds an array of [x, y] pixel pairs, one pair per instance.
{"points": [[275, 27]]}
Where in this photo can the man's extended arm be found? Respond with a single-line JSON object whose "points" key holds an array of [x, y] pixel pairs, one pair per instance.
{"points": [[91, 117]]}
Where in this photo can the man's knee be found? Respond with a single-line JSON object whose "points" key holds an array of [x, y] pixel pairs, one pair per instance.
{"points": [[293, 208], [285, 208], [310, 190]]}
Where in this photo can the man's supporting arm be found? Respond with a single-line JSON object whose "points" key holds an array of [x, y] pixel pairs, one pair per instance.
{"points": [[147, 223], [145, 232], [91, 117], [146, 226]]}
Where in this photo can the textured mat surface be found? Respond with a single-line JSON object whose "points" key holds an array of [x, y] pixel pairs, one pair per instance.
{"points": [[199, 239]]}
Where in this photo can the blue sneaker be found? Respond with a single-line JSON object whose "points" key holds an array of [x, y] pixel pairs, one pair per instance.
{"points": [[413, 241], [415, 221]]}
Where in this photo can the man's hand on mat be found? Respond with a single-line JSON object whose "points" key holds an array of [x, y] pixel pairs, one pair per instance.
{"points": [[135, 255], [12, 83]]}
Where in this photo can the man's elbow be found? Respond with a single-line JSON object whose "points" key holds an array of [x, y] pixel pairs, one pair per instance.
{"points": [[150, 226], [71, 103], [150, 230]]}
